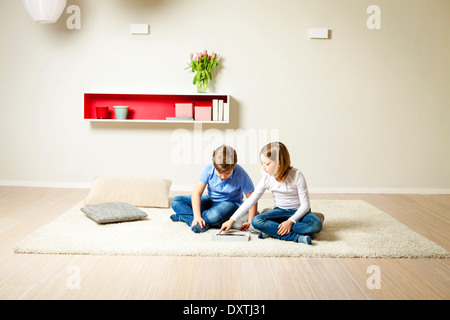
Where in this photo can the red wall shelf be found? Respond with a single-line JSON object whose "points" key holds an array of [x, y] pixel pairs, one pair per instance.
{"points": [[148, 107]]}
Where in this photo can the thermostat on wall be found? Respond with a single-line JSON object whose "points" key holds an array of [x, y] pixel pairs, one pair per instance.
{"points": [[318, 33], [139, 28]]}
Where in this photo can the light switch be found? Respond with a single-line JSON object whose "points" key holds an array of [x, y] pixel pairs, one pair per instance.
{"points": [[318, 33], [139, 28]]}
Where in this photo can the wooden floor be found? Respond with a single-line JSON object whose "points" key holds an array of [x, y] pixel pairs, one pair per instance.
{"points": [[23, 210]]}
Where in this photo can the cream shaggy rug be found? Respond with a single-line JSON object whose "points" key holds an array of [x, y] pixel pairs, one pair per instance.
{"points": [[352, 228]]}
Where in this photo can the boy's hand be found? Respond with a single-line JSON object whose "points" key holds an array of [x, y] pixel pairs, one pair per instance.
{"points": [[285, 227], [198, 221], [226, 225]]}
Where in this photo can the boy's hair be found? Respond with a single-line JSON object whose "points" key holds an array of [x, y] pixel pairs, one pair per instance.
{"points": [[224, 159], [277, 151]]}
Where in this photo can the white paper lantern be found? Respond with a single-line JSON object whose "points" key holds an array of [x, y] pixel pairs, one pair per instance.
{"points": [[45, 11]]}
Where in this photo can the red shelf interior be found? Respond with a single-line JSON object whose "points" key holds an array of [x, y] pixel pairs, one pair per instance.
{"points": [[144, 106]]}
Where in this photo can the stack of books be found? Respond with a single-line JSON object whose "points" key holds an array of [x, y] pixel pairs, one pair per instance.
{"points": [[220, 110]]}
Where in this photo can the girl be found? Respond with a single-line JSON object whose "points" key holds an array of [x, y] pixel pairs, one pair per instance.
{"points": [[291, 219]]}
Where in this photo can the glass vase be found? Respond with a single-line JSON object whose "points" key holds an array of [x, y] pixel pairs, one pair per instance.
{"points": [[202, 86]]}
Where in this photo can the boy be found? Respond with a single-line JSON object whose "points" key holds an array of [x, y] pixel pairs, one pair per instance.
{"points": [[226, 182]]}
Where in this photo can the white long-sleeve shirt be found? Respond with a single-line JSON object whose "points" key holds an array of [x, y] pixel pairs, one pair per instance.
{"points": [[292, 193]]}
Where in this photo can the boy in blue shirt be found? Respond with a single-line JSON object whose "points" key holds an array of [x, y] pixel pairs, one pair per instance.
{"points": [[226, 181]]}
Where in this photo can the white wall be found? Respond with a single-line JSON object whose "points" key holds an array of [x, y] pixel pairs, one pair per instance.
{"points": [[367, 110]]}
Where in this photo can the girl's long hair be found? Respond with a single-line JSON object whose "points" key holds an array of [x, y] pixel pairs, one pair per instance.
{"points": [[277, 151]]}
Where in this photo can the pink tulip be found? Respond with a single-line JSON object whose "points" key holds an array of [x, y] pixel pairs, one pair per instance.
{"points": [[214, 55], [196, 58], [205, 52], [191, 55]]}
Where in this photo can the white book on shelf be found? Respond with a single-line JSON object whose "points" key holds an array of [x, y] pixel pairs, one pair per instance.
{"points": [[220, 116], [215, 109], [226, 112]]}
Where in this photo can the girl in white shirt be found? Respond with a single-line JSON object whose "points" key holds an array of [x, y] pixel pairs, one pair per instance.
{"points": [[291, 219]]}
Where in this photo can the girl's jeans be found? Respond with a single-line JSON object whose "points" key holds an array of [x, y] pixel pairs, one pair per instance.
{"points": [[268, 222], [214, 213]]}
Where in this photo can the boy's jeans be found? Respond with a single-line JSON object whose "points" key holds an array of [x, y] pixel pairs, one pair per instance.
{"points": [[214, 213], [268, 222]]}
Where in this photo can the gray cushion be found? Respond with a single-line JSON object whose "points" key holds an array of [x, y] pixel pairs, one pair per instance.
{"points": [[109, 212]]}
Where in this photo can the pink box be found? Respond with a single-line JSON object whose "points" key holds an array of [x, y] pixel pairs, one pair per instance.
{"points": [[184, 110], [203, 113]]}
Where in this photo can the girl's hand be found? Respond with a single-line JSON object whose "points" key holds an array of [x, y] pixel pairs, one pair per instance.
{"points": [[285, 227], [226, 225], [245, 226]]}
